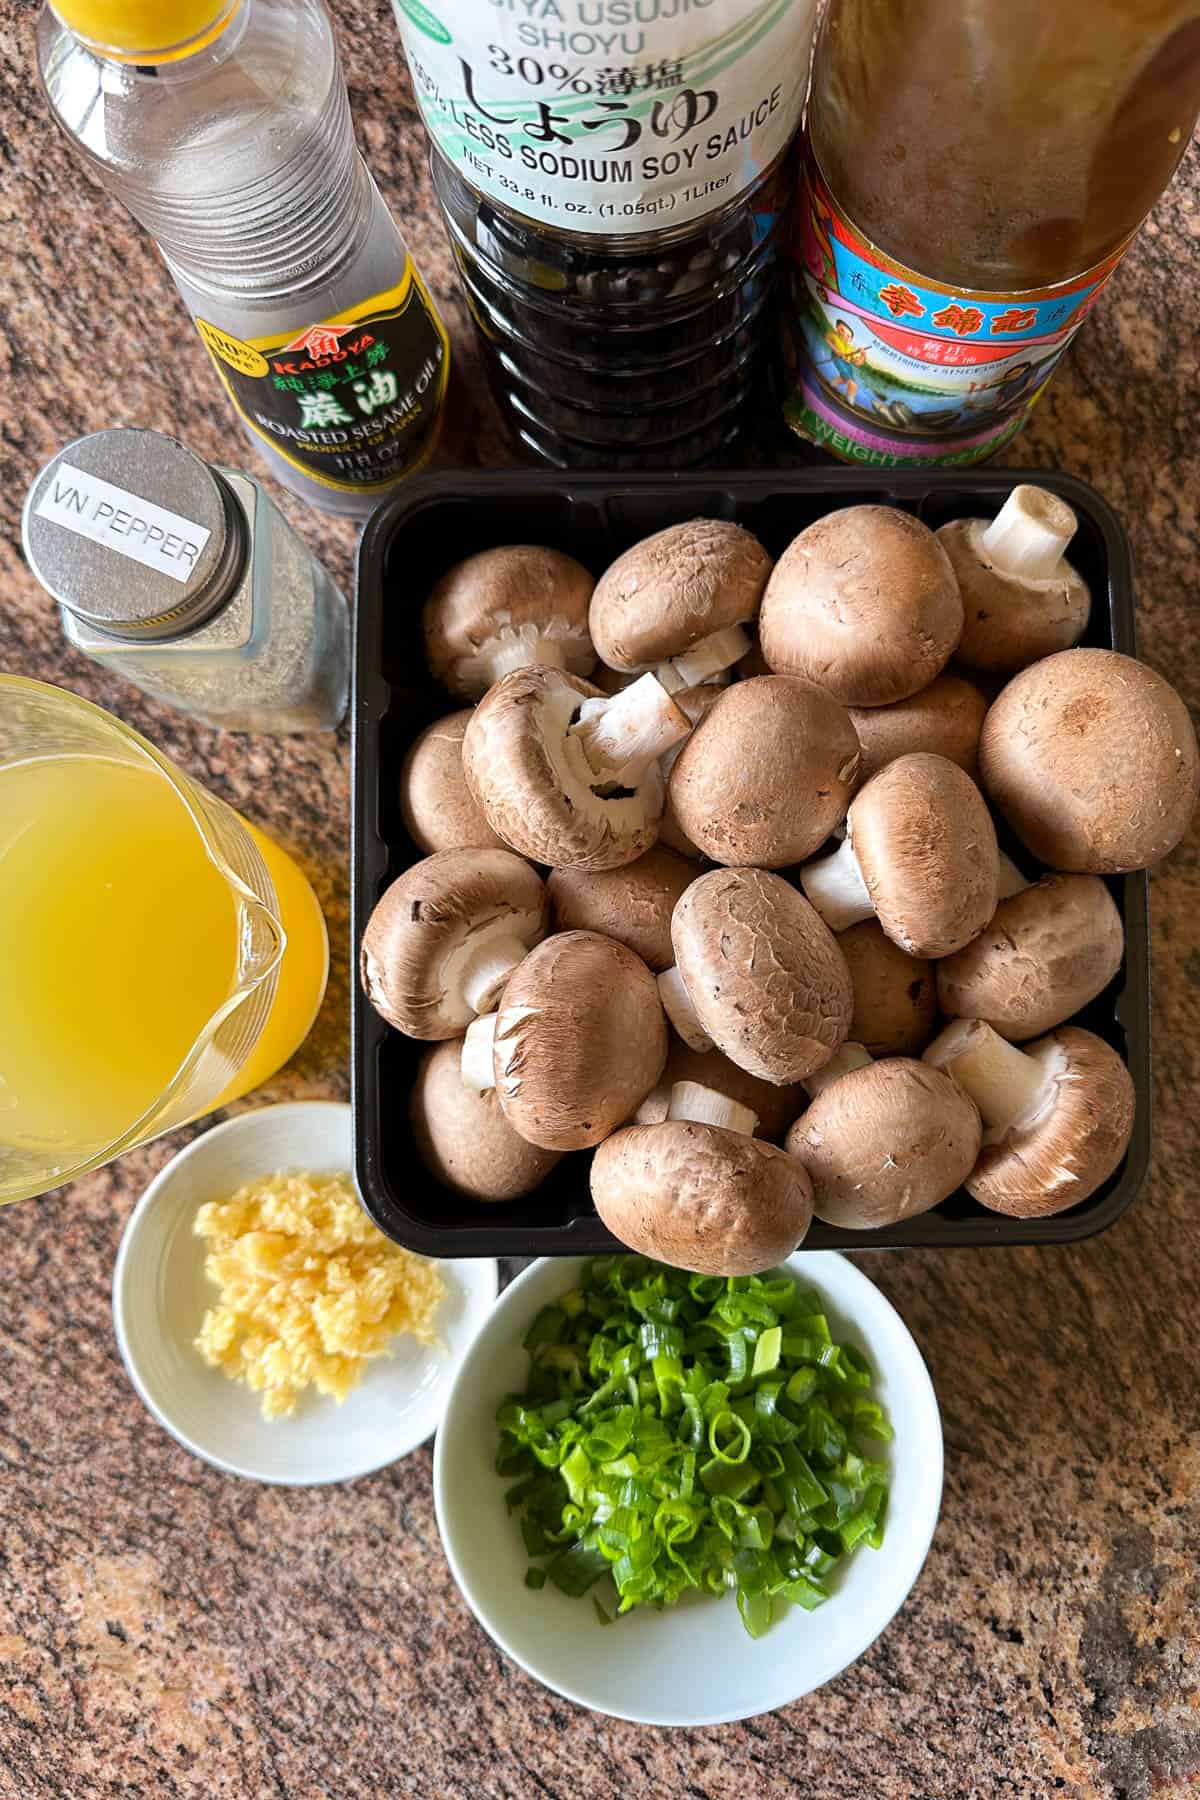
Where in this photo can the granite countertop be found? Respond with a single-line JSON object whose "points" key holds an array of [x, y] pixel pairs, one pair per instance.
{"points": [[167, 1631]]}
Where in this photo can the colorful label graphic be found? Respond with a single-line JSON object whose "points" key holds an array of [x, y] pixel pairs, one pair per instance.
{"points": [[354, 401], [605, 116], [893, 369]]}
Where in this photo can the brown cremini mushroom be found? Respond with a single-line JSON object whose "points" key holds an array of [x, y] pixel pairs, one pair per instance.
{"points": [[1091, 757], [895, 998], [678, 1006], [765, 977], [920, 853], [695, 702], [1021, 597], [438, 808], [578, 1041], [863, 602], [1045, 954], [569, 776], [503, 609], [1009, 879], [885, 1142], [610, 681], [1058, 1114], [774, 1107], [766, 774], [701, 1195], [463, 1138], [676, 601], [754, 663], [615, 681], [632, 904], [944, 718], [851, 1056], [445, 936]]}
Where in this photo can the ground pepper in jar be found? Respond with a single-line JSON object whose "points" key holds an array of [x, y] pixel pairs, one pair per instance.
{"points": [[189, 581]]}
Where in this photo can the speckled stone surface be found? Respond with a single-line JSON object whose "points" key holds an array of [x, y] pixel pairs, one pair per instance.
{"points": [[167, 1631]]}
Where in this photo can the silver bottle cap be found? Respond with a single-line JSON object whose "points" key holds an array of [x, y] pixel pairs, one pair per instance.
{"points": [[134, 535]]}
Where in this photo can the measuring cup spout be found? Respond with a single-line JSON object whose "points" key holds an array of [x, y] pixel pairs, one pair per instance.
{"points": [[263, 943], [165, 956]]}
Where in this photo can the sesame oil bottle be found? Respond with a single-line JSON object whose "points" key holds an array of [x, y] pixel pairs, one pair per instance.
{"points": [[224, 127]]}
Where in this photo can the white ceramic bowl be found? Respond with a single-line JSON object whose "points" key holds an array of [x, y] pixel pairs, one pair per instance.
{"points": [[693, 1664], [160, 1294]]}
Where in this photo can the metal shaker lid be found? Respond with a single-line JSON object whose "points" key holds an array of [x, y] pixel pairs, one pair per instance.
{"points": [[134, 534]]}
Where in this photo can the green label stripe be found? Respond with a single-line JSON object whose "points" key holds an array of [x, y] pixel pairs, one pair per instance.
{"points": [[750, 32], [424, 20], [712, 59]]}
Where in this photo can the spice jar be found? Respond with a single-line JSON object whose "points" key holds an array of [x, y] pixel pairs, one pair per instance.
{"points": [[189, 581]]}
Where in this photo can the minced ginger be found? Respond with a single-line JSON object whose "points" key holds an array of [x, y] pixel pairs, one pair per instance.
{"points": [[310, 1289]]}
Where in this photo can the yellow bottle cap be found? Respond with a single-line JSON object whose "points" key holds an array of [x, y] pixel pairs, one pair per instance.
{"points": [[144, 30]]}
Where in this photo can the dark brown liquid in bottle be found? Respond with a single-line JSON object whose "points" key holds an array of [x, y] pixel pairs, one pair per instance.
{"points": [[626, 353], [1003, 144]]}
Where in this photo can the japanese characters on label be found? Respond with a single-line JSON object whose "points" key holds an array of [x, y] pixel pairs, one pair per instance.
{"points": [[609, 116], [891, 368], [354, 402]]}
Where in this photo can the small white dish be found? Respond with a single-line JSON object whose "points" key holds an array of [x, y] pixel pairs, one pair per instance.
{"points": [[693, 1664], [160, 1295]]}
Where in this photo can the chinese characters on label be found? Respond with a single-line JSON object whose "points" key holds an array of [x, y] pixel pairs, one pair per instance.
{"points": [[354, 403], [605, 129], [890, 367]]}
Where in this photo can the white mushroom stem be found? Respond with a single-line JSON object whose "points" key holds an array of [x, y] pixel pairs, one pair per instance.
{"points": [[623, 734], [1009, 1087], [487, 967], [1009, 879], [655, 1106], [516, 647], [489, 1047], [677, 1004], [481, 963], [705, 1106], [834, 885], [478, 1067], [704, 660], [842, 1062], [1029, 534]]}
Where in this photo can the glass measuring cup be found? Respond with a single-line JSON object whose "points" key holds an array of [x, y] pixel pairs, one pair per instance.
{"points": [[159, 956]]}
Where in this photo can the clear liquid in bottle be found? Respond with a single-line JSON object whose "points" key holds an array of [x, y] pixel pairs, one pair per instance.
{"points": [[229, 138]]}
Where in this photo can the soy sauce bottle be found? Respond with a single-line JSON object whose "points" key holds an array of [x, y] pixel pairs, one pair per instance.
{"points": [[611, 176], [972, 175]]}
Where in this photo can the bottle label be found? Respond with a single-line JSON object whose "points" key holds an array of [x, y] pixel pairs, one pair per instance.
{"points": [[93, 508], [609, 116], [353, 401], [893, 369]]}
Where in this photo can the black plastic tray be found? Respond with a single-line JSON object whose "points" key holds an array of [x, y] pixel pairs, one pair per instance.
{"points": [[410, 542]]}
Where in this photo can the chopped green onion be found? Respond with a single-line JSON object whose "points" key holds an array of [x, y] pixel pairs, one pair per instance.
{"points": [[767, 1351], [577, 1568], [732, 1479], [546, 1328], [690, 1433], [736, 1433], [802, 1386]]}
